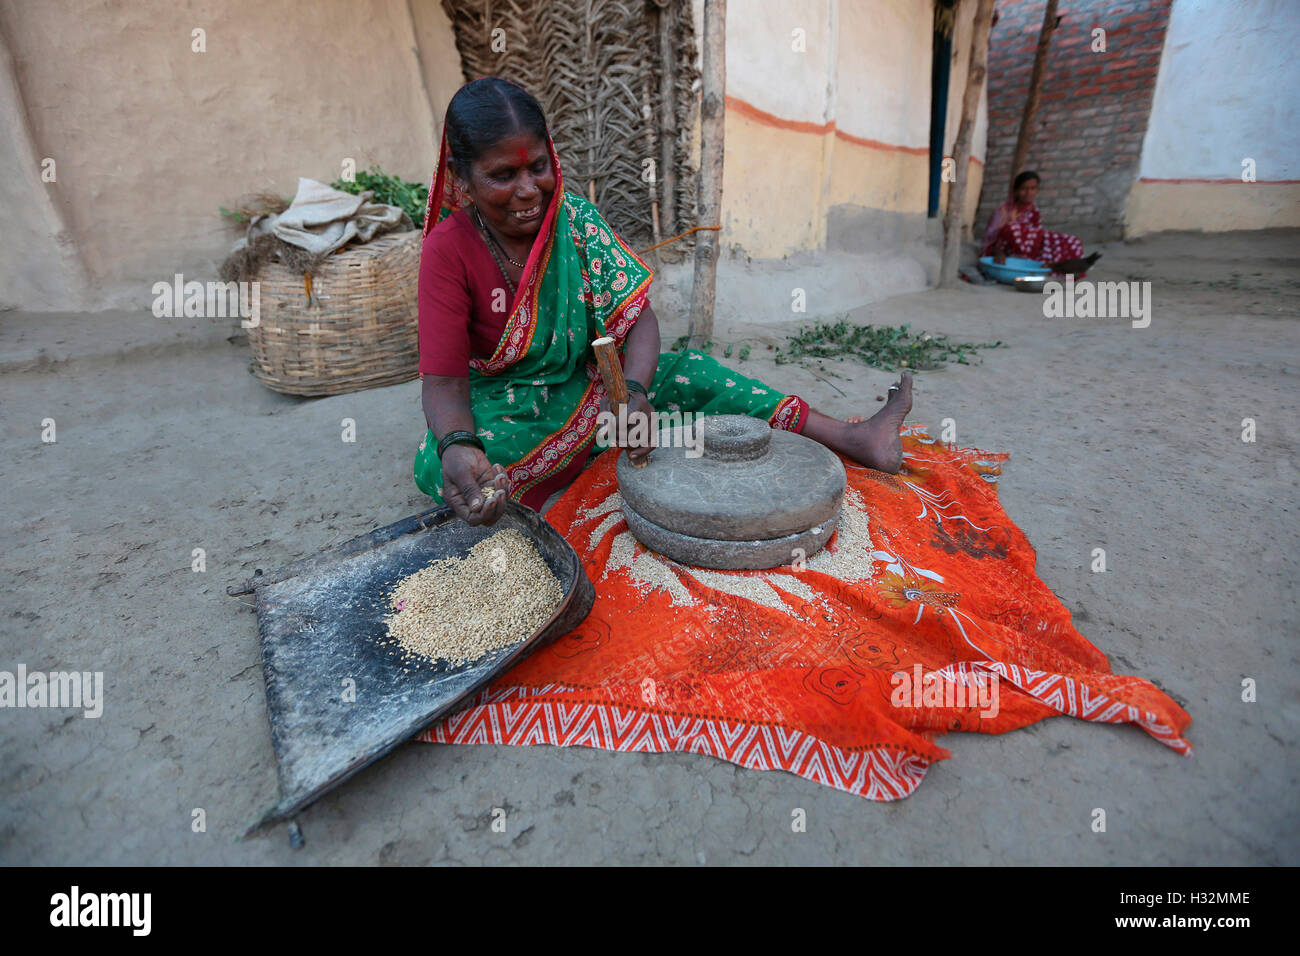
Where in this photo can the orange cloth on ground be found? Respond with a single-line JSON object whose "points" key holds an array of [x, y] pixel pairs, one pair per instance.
{"points": [[923, 616]]}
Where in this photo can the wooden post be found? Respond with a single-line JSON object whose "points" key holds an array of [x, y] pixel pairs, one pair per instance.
{"points": [[593, 134], [713, 81], [952, 220], [647, 116], [1026, 134], [667, 120]]}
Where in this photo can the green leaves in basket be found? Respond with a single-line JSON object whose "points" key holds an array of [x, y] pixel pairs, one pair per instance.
{"points": [[392, 190]]}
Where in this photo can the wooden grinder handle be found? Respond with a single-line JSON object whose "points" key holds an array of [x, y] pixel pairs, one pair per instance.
{"points": [[611, 371], [615, 384]]}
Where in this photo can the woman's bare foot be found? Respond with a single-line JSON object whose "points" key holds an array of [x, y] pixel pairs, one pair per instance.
{"points": [[875, 442]]}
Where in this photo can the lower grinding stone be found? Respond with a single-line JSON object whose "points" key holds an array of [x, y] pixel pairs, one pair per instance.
{"points": [[759, 555]]}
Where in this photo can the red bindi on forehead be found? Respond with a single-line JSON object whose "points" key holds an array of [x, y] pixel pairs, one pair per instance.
{"points": [[523, 156]]}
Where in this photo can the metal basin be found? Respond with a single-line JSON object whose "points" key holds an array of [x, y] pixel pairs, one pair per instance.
{"points": [[1029, 283]]}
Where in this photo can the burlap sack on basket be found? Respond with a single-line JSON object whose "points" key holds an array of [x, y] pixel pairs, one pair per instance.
{"points": [[319, 221]]}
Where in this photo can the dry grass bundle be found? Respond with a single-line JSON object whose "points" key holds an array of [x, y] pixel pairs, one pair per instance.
{"points": [[248, 262], [251, 205]]}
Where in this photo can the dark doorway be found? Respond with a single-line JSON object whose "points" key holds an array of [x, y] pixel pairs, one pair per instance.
{"points": [[940, 73]]}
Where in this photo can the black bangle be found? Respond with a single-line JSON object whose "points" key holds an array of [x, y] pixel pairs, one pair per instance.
{"points": [[634, 386], [458, 438]]}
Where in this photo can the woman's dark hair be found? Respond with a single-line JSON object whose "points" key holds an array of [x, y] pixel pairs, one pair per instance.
{"points": [[1024, 177], [486, 111]]}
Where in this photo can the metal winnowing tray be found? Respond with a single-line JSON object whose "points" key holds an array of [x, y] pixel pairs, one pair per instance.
{"points": [[337, 698]]}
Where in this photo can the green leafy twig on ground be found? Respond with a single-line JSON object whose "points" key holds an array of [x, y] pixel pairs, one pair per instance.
{"points": [[391, 190], [740, 349], [887, 347]]}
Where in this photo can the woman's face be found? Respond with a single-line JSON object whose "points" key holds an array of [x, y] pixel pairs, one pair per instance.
{"points": [[512, 183], [1027, 192]]}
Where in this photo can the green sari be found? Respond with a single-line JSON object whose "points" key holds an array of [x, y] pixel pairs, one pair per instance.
{"points": [[536, 399]]}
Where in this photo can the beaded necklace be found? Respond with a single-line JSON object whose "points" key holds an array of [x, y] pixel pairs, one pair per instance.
{"points": [[493, 246]]}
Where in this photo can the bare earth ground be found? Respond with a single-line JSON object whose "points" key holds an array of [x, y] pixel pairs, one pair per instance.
{"points": [[1121, 438]]}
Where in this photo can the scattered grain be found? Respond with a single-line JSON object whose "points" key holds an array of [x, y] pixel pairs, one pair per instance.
{"points": [[612, 502], [851, 559], [603, 528], [649, 571], [792, 584], [751, 587]]}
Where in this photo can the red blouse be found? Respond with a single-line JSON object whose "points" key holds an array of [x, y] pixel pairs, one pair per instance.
{"points": [[464, 301]]}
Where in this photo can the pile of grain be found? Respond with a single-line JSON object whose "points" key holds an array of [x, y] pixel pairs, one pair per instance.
{"points": [[851, 560], [461, 610]]}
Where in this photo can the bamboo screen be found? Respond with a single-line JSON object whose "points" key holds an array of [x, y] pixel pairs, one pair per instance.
{"points": [[603, 71]]}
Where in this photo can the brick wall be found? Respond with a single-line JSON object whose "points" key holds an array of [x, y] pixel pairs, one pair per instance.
{"points": [[1092, 114]]}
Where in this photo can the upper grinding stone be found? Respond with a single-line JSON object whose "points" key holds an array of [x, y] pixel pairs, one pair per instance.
{"points": [[753, 481]]}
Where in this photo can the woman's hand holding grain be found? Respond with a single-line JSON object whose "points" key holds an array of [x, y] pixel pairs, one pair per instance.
{"points": [[466, 473]]}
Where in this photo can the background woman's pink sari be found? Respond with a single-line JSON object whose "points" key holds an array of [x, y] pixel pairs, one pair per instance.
{"points": [[1019, 231]]}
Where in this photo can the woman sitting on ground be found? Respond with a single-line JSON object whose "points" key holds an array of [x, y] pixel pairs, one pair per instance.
{"points": [[517, 277], [1016, 229]]}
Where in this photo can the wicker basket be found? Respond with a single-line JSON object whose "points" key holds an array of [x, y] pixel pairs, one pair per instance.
{"points": [[359, 329]]}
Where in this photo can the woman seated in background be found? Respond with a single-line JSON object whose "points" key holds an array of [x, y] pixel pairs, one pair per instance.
{"points": [[1016, 229], [517, 277]]}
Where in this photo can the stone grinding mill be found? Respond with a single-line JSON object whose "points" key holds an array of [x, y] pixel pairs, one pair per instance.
{"points": [[727, 491]]}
